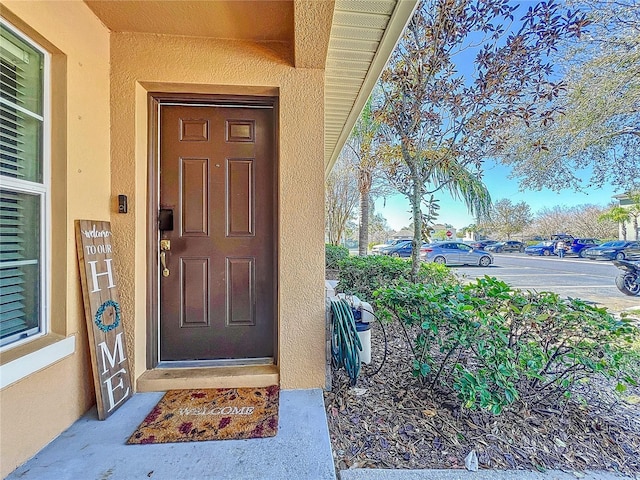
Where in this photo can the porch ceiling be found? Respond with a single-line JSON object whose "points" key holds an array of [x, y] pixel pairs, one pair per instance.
{"points": [[351, 39], [250, 20]]}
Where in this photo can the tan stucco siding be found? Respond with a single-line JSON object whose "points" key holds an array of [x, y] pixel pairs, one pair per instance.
{"points": [[142, 62], [302, 336], [37, 408]]}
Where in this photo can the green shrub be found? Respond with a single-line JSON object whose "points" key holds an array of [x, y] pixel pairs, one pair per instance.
{"points": [[333, 254], [492, 345], [361, 276]]}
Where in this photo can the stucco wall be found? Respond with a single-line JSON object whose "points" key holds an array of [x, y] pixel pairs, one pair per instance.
{"points": [[100, 151], [180, 64], [37, 408]]}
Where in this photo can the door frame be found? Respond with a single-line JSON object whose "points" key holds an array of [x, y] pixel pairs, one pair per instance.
{"points": [[155, 100]]}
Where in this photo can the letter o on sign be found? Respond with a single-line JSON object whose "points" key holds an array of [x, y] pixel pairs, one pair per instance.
{"points": [[100, 312]]}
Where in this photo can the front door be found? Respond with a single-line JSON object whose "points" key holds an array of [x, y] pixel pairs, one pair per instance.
{"points": [[216, 222]]}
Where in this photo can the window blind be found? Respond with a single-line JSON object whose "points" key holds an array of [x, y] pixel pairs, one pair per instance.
{"points": [[21, 89]]}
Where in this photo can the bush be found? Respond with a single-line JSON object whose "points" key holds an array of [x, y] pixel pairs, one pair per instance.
{"points": [[492, 345], [333, 254], [361, 276]]}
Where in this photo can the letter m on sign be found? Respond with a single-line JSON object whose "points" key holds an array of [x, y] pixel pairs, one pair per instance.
{"points": [[118, 354]]}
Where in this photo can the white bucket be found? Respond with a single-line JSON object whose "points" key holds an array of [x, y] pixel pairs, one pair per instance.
{"points": [[365, 340]]}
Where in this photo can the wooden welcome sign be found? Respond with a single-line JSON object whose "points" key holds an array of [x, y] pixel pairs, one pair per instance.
{"points": [[111, 374]]}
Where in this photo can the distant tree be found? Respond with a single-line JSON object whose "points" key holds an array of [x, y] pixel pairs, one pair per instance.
{"points": [[579, 221], [362, 143], [599, 129], [549, 221], [439, 235], [429, 217], [507, 219], [583, 222], [379, 230], [441, 123], [351, 231], [619, 215], [428, 221], [340, 199]]}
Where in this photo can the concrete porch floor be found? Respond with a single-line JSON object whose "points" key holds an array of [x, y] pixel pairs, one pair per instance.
{"points": [[93, 449]]}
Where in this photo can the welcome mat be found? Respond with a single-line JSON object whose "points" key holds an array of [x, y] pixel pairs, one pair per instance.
{"points": [[211, 414]]}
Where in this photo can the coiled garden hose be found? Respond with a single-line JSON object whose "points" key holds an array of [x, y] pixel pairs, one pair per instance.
{"points": [[345, 343]]}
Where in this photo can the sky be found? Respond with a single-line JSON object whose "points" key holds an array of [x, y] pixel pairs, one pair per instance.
{"points": [[454, 212], [396, 209]]}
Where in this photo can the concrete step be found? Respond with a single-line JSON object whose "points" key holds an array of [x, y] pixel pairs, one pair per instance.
{"points": [[94, 449]]}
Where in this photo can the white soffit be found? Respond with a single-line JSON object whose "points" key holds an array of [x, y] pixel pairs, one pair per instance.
{"points": [[363, 36]]}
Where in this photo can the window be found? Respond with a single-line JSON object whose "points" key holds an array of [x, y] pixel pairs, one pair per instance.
{"points": [[24, 187]]}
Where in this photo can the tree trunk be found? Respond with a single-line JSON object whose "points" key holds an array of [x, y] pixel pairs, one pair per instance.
{"points": [[363, 233], [416, 199], [364, 187]]}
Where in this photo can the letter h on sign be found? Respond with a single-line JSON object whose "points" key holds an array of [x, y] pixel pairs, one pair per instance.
{"points": [[95, 275]]}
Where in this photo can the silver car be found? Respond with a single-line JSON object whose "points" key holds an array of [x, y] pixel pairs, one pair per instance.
{"points": [[381, 248], [455, 253]]}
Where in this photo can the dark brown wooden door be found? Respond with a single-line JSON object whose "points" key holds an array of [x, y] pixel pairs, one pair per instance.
{"points": [[217, 180]]}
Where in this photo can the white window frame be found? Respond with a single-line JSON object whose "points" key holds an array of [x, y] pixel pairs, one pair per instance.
{"points": [[42, 189]]}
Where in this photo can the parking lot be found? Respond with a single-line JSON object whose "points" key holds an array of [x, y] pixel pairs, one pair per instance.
{"points": [[590, 280]]}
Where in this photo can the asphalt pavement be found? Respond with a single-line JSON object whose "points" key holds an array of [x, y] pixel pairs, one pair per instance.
{"points": [[590, 280]]}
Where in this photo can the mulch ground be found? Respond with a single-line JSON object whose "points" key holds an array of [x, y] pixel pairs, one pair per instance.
{"points": [[389, 421]]}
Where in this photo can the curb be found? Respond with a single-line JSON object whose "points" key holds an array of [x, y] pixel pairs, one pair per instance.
{"points": [[383, 474]]}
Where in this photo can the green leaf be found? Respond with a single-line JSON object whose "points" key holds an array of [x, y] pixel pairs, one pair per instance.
{"points": [[509, 396]]}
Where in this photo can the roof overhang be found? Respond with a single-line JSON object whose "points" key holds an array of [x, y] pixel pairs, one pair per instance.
{"points": [[626, 195], [363, 36]]}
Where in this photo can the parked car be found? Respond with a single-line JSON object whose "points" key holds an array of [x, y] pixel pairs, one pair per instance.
{"points": [[481, 244], [579, 245], [562, 236], [508, 246], [377, 249], [543, 248], [400, 249], [455, 253], [615, 250]]}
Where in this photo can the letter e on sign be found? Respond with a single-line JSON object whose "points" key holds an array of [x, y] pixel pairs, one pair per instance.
{"points": [[111, 373]]}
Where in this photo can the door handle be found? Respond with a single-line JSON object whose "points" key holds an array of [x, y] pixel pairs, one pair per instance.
{"points": [[163, 262]]}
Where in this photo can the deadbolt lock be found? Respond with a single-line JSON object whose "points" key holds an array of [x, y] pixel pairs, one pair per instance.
{"points": [[165, 244]]}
